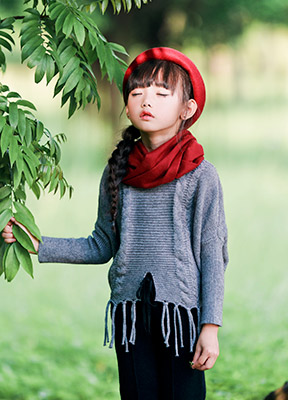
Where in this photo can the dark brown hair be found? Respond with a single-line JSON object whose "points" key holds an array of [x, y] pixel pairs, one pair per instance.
{"points": [[162, 73]]}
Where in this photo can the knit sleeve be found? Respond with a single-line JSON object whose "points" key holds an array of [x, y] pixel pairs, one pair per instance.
{"points": [[211, 234], [97, 248]]}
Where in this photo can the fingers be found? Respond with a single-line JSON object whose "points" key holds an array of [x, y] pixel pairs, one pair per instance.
{"points": [[204, 360], [7, 232]]}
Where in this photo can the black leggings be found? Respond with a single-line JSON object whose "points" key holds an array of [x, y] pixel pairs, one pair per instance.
{"points": [[150, 370]]}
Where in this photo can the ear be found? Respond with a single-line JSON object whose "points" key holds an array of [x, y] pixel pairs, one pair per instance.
{"points": [[127, 112], [189, 110]]}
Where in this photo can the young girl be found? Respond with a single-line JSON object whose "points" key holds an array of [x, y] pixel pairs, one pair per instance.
{"points": [[161, 219]]}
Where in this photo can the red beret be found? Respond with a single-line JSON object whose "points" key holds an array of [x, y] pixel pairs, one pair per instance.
{"points": [[168, 54]]}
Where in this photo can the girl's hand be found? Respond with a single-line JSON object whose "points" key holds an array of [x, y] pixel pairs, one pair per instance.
{"points": [[207, 348], [8, 236]]}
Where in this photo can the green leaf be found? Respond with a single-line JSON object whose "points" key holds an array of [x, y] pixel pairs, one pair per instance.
{"points": [[7, 23], [13, 150], [2, 122], [29, 47], [20, 195], [13, 95], [68, 24], [67, 54], [24, 258], [26, 103], [32, 157], [36, 57], [73, 80], [36, 190], [5, 204], [28, 134], [22, 210], [13, 114], [117, 47], [72, 106], [72, 64], [3, 248], [39, 130], [79, 32], [29, 34], [21, 123], [93, 38], [50, 68], [60, 20], [5, 191], [47, 176], [5, 218], [22, 237], [28, 223], [104, 5], [6, 136], [7, 36], [55, 9], [5, 44], [17, 175], [118, 6], [11, 265], [62, 188], [40, 70], [28, 175]]}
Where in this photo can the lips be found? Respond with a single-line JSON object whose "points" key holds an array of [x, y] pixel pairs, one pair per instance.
{"points": [[146, 115]]}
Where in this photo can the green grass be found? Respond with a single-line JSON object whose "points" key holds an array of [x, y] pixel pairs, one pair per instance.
{"points": [[52, 326]]}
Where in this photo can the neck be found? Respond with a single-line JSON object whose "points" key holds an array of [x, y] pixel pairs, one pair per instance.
{"points": [[154, 140]]}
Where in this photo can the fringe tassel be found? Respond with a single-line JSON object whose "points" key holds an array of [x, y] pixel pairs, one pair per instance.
{"points": [[165, 325], [192, 330], [165, 314], [124, 332], [133, 328], [113, 325], [106, 334]]}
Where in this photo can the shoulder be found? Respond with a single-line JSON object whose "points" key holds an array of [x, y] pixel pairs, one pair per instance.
{"points": [[204, 174]]}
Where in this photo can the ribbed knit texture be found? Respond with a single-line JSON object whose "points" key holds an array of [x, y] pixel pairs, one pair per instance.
{"points": [[175, 231]]}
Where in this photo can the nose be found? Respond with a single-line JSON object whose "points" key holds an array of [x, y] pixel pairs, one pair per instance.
{"points": [[146, 102]]}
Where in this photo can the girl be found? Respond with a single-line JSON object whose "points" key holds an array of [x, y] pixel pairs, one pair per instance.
{"points": [[161, 219]]}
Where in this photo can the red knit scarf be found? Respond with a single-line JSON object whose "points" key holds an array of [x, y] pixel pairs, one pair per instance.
{"points": [[179, 155]]}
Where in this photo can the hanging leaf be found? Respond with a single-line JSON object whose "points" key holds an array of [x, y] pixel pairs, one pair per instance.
{"points": [[23, 238], [21, 123], [29, 223], [5, 192], [79, 32], [5, 218], [6, 136], [13, 150], [24, 258], [12, 264]]}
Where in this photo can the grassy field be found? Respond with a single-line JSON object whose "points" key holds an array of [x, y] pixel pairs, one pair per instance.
{"points": [[52, 327]]}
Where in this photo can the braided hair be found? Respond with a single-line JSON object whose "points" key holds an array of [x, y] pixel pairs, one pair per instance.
{"points": [[162, 73], [118, 164]]}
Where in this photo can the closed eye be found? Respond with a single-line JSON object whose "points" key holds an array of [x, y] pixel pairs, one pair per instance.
{"points": [[163, 94]]}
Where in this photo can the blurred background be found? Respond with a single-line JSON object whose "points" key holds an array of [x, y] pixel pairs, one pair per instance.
{"points": [[52, 326]]}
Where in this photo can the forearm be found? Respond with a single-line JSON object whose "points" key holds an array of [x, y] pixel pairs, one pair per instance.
{"points": [[73, 251]]}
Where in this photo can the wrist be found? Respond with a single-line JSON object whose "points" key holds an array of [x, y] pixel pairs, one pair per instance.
{"points": [[210, 327]]}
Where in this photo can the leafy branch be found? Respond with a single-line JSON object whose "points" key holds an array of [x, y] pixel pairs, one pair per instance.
{"points": [[61, 41]]}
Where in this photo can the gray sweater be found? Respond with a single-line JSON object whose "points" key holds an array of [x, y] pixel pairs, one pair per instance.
{"points": [[175, 231]]}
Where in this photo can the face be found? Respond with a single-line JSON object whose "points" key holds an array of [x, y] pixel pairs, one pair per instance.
{"points": [[155, 109]]}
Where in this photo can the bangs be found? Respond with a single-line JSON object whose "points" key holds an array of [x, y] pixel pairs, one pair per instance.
{"points": [[160, 73]]}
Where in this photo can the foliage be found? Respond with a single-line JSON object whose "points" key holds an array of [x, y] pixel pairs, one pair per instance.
{"points": [[58, 39], [30, 155], [182, 22]]}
